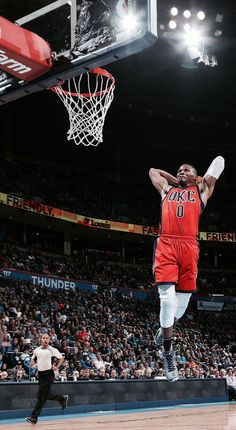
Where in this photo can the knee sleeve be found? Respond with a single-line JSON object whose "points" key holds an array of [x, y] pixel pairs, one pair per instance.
{"points": [[168, 305], [182, 304]]}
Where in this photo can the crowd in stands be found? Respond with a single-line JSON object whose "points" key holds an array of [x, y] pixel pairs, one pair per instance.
{"points": [[94, 268], [105, 337], [98, 195], [217, 281]]}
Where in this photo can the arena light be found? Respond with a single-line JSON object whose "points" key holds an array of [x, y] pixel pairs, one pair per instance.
{"points": [[187, 14], [201, 54], [201, 15], [194, 53], [219, 18], [172, 24], [218, 33], [193, 38], [129, 22], [187, 27], [208, 60], [174, 11]]}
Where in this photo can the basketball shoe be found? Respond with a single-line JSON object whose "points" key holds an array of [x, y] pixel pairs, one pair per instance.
{"points": [[170, 367]]}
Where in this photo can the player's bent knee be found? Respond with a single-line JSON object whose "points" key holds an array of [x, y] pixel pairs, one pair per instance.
{"points": [[168, 304], [166, 291], [182, 304]]}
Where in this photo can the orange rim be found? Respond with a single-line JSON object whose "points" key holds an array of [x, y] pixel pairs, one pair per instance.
{"points": [[96, 71]]}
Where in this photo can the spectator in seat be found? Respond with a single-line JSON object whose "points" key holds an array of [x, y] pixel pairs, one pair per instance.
{"points": [[231, 383], [83, 335]]}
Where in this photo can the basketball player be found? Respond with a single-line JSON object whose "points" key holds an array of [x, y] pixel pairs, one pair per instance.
{"points": [[176, 254], [43, 356]]}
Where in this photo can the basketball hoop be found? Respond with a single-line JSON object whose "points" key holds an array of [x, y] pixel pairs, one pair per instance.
{"points": [[87, 99]]}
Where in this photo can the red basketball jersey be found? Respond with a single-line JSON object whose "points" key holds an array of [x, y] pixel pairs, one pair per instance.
{"points": [[180, 211]]}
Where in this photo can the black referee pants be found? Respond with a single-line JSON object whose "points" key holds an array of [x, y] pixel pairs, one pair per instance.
{"points": [[46, 378]]}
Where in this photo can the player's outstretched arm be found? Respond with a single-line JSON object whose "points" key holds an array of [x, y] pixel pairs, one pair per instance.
{"points": [[212, 174], [162, 180]]}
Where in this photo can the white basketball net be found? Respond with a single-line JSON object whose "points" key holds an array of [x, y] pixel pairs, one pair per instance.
{"points": [[87, 111]]}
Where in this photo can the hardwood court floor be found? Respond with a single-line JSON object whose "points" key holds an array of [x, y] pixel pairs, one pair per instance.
{"points": [[215, 417]]}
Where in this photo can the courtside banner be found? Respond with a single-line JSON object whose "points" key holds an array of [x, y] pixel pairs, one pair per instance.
{"points": [[217, 236], [37, 207], [109, 225], [47, 210], [56, 283], [53, 282], [210, 306], [44, 209]]}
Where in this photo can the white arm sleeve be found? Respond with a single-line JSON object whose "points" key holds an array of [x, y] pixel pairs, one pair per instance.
{"points": [[216, 168]]}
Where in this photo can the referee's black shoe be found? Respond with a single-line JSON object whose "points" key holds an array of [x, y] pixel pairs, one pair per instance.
{"points": [[64, 401], [31, 420]]}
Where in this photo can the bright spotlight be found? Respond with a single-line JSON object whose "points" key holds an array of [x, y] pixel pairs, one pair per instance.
{"points": [[174, 11], [187, 14], [172, 24], [187, 27], [193, 38], [194, 53], [201, 15], [129, 22]]}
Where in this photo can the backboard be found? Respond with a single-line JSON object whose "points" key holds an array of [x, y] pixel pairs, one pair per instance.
{"points": [[82, 35]]}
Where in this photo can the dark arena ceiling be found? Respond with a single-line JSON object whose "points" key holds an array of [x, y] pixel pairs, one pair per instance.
{"points": [[163, 100]]}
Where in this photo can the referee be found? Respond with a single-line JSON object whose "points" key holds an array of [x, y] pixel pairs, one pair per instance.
{"points": [[43, 356]]}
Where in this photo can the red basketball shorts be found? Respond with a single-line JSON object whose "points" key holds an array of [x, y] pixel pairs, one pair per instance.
{"points": [[175, 262]]}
